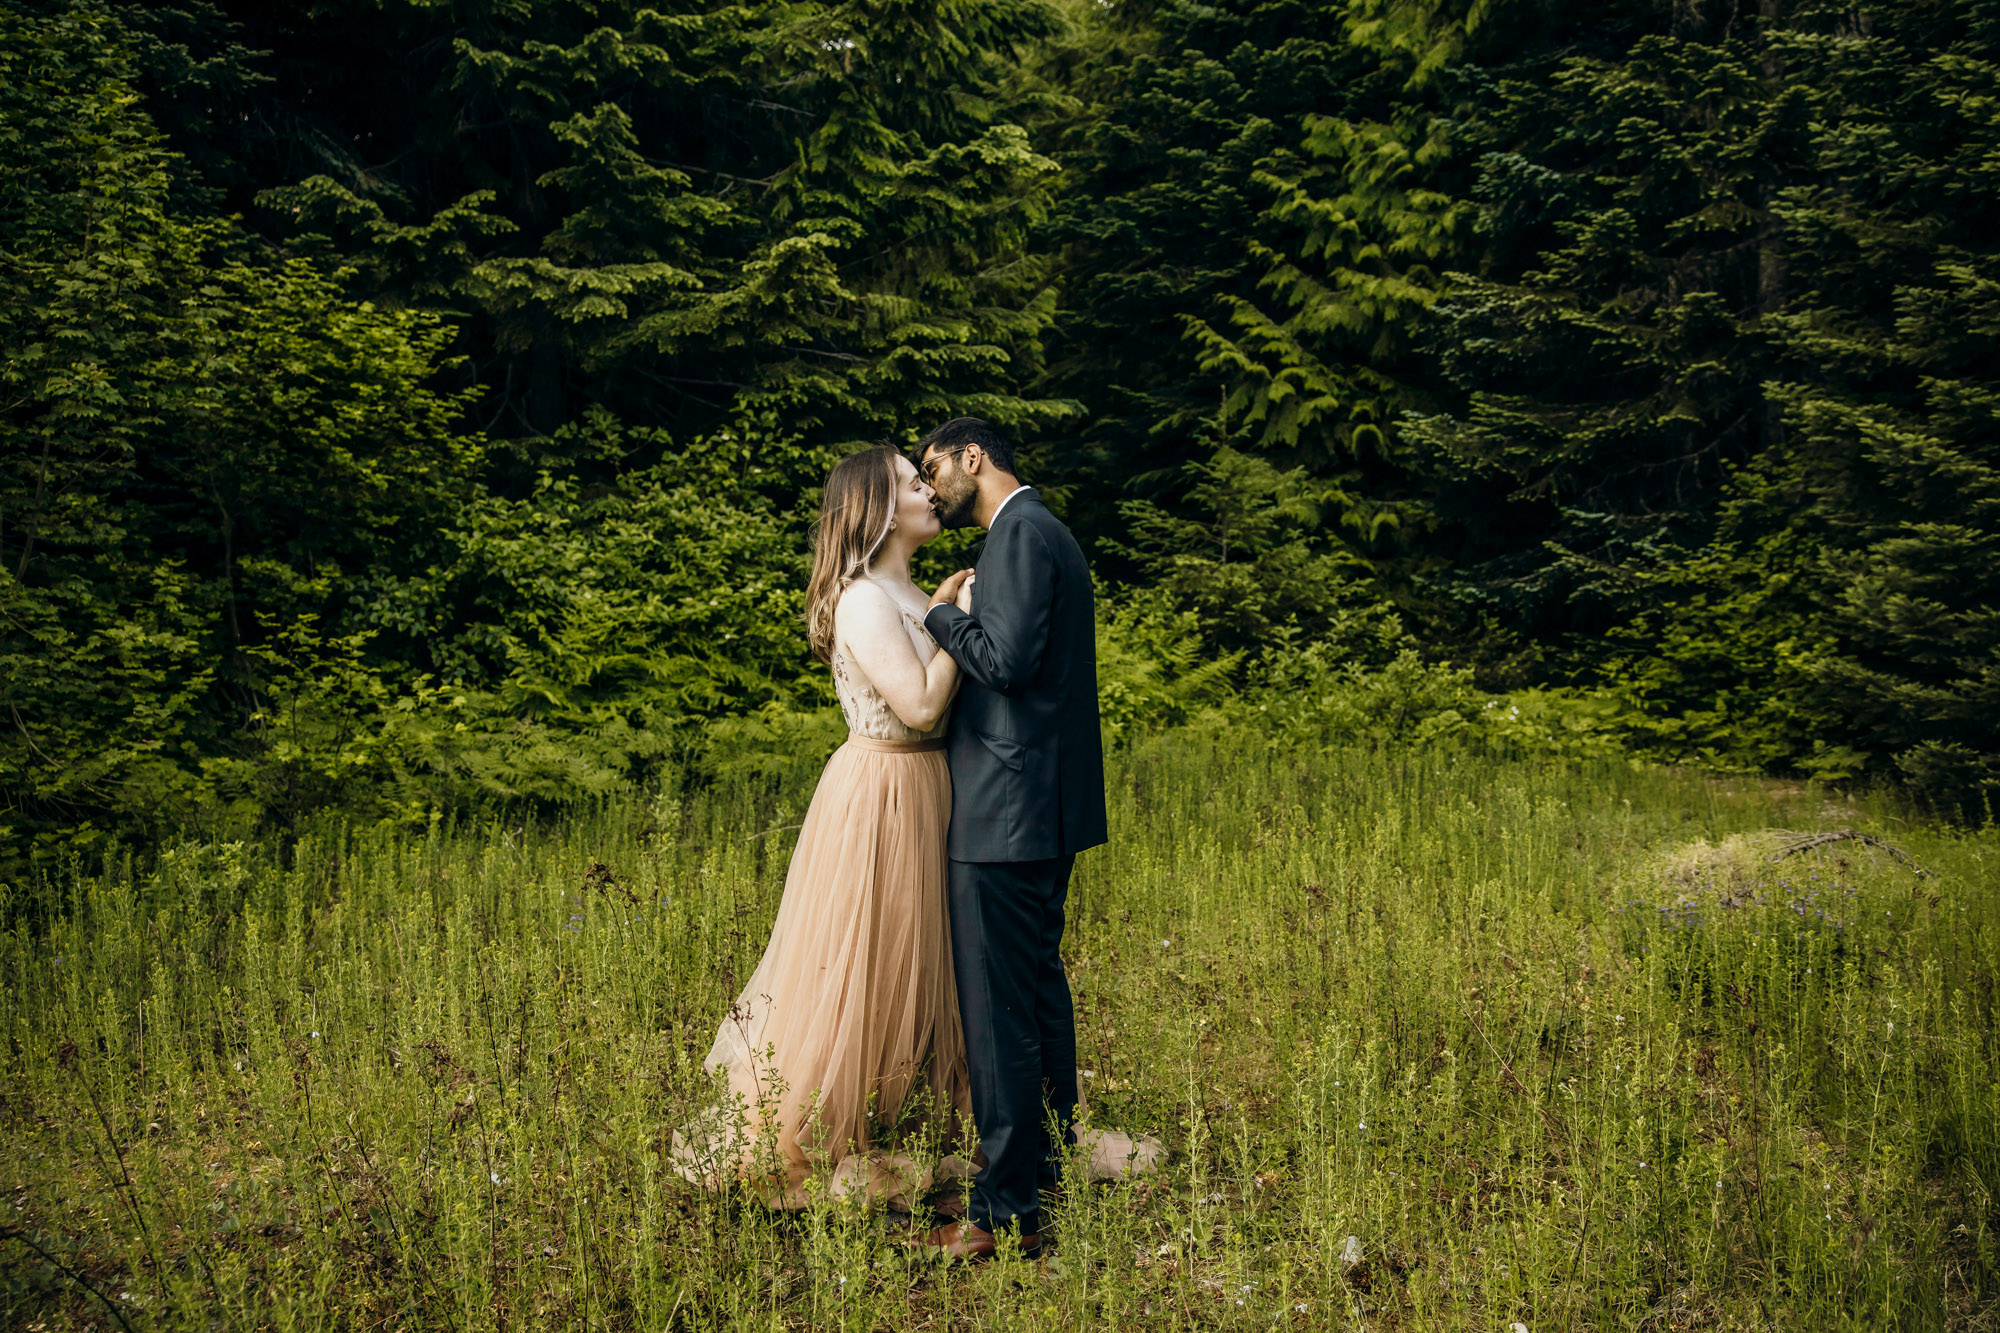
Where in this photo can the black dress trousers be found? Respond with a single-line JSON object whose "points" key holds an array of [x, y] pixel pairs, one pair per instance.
{"points": [[1020, 1031]]}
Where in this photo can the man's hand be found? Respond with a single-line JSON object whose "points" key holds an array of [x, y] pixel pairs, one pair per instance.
{"points": [[948, 590], [965, 594]]}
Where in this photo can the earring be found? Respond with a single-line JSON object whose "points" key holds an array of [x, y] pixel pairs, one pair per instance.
{"points": [[892, 525]]}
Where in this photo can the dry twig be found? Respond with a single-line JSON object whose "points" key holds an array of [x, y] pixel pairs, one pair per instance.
{"points": [[1805, 842]]}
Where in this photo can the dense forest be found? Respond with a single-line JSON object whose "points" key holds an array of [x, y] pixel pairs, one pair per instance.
{"points": [[411, 405]]}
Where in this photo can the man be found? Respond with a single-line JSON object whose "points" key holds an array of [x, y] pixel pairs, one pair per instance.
{"points": [[1027, 772]]}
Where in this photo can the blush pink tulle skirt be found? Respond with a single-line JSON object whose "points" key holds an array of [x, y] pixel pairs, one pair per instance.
{"points": [[853, 1006]]}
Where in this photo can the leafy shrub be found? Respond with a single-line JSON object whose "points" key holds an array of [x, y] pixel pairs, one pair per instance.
{"points": [[1153, 666], [1254, 617], [183, 416], [1245, 552]]}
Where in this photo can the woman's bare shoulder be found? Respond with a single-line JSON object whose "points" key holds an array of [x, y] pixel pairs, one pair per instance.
{"points": [[863, 604]]}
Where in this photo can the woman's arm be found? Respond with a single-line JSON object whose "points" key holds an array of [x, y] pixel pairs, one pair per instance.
{"points": [[871, 629]]}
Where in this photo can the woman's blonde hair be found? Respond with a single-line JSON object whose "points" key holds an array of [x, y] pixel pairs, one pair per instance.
{"points": [[856, 508]]}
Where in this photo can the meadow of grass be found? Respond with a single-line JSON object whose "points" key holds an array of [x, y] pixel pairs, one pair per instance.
{"points": [[1561, 1044]]}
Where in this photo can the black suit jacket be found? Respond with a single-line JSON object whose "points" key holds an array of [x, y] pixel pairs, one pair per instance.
{"points": [[1027, 762]]}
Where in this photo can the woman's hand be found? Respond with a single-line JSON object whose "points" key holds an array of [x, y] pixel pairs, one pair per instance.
{"points": [[964, 600]]}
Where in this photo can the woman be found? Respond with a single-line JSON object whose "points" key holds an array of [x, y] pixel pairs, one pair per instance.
{"points": [[853, 1002]]}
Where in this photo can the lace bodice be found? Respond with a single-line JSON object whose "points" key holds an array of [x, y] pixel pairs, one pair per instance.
{"points": [[868, 713]]}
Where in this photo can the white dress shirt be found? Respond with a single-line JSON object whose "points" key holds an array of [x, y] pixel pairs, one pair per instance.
{"points": [[1003, 505]]}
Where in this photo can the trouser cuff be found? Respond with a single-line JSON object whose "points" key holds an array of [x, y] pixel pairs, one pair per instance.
{"points": [[1031, 1223]]}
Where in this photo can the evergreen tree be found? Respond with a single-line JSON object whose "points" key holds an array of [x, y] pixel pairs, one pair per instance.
{"points": [[1613, 344], [1178, 105], [1846, 604], [1910, 501], [1260, 201], [806, 219], [1641, 347]]}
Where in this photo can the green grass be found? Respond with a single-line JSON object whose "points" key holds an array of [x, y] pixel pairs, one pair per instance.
{"points": [[1615, 1068]]}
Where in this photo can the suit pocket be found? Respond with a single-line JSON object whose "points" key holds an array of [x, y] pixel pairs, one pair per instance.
{"points": [[1011, 753]]}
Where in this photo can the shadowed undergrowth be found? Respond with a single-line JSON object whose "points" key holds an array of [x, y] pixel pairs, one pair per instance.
{"points": [[1559, 1044]]}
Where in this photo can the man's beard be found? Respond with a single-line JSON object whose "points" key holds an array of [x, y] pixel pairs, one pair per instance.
{"points": [[956, 498]]}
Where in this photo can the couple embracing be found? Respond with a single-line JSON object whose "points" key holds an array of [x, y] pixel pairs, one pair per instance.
{"points": [[917, 941]]}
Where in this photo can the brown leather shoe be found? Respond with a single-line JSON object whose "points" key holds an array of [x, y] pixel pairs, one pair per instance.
{"points": [[974, 1243]]}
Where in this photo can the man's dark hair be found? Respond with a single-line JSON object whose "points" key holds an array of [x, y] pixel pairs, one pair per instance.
{"points": [[961, 431]]}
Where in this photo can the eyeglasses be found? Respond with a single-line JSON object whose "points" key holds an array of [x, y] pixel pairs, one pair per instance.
{"points": [[927, 470]]}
